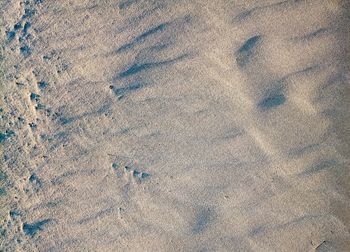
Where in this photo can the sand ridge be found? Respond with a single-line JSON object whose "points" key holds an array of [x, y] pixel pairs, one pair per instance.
{"points": [[139, 125]]}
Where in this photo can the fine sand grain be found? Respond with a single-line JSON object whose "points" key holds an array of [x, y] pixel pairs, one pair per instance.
{"points": [[175, 125]]}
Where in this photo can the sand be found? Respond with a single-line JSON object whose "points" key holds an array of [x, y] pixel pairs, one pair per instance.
{"points": [[188, 125]]}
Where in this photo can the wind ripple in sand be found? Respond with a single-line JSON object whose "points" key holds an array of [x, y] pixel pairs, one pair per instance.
{"points": [[139, 125]]}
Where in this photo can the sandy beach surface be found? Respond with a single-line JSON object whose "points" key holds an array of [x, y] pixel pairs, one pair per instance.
{"points": [[175, 125]]}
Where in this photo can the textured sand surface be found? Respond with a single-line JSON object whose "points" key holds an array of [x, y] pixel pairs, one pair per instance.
{"points": [[175, 125]]}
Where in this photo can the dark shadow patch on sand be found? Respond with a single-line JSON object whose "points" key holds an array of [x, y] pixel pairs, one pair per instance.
{"points": [[28, 12], [142, 37], [10, 35], [202, 220], [65, 120], [265, 229], [25, 51], [319, 166], [14, 214], [249, 44], [122, 5], [34, 179], [301, 151], [244, 15], [32, 229], [251, 13], [17, 26], [26, 27], [95, 216], [247, 50], [271, 101], [141, 67], [134, 20], [140, 175], [59, 179], [120, 92], [305, 72], [42, 85], [6, 135], [170, 29], [312, 35], [34, 97]]}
